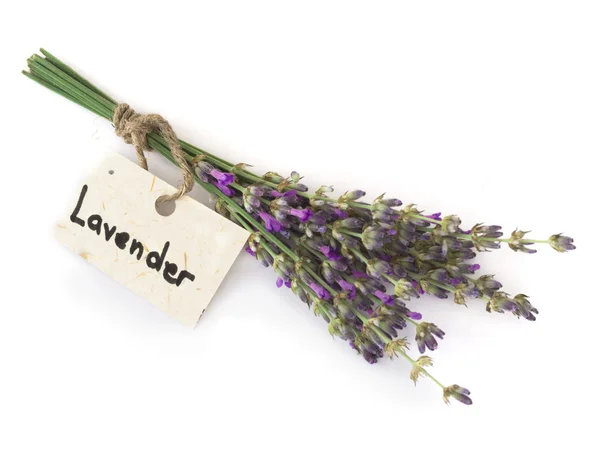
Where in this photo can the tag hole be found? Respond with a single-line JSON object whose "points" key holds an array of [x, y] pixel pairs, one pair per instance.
{"points": [[110, 172], [165, 208]]}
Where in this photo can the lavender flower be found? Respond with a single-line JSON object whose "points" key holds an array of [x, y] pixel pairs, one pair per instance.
{"points": [[224, 189], [561, 243], [222, 178], [303, 214], [450, 224], [385, 298], [518, 244], [414, 315], [271, 223], [347, 287], [458, 393], [330, 252], [319, 290], [425, 337]]}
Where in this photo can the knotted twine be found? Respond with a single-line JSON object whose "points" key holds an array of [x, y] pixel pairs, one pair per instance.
{"points": [[134, 129]]}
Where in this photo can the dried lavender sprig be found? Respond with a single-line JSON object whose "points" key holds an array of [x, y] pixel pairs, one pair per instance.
{"points": [[482, 234], [399, 346]]}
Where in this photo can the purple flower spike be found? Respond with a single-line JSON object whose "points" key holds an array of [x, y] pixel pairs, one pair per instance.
{"points": [[435, 216], [302, 214], [414, 315], [385, 298], [455, 281], [320, 291], [222, 178], [475, 267], [288, 284], [279, 282], [270, 222]]}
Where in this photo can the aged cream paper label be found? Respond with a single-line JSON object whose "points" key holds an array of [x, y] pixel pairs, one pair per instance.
{"points": [[176, 262]]}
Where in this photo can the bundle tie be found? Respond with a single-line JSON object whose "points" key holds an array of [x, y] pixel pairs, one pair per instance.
{"points": [[134, 129]]}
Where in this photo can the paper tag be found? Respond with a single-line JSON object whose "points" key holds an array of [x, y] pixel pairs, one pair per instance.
{"points": [[175, 262]]}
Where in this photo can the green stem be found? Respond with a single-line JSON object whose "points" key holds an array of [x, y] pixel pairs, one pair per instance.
{"points": [[423, 371], [420, 217], [241, 221], [350, 233]]}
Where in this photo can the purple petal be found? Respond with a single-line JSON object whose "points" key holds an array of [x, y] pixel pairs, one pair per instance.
{"points": [[414, 315], [340, 213], [303, 214], [223, 178], [347, 287], [357, 274], [320, 291], [224, 189], [271, 224], [279, 282], [290, 193], [330, 253], [385, 298]]}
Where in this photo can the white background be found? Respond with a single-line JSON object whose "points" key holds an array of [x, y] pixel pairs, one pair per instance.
{"points": [[489, 110]]}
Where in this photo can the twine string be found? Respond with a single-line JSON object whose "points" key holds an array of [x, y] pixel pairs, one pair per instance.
{"points": [[134, 129]]}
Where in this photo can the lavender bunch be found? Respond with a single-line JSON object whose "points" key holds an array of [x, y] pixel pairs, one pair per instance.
{"points": [[354, 263], [357, 264]]}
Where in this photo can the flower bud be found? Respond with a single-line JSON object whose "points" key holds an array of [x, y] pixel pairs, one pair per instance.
{"points": [[524, 307], [501, 302], [405, 290], [377, 267], [273, 177], [256, 190], [425, 337], [458, 393], [518, 244], [561, 243], [487, 285], [351, 196], [450, 224]]}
